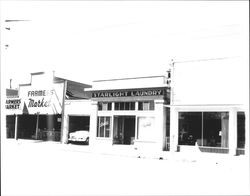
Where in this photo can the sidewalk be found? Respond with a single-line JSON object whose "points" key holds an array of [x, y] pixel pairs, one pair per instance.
{"points": [[130, 151]]}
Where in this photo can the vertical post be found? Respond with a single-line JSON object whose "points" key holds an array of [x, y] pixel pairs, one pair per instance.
{"points": [[173, 113], [64, 130], [202, 126], [172, 82], [37, 123], [173, 129], [159, 109], [232, 131], [247, 133], [93, 123], [16, 126], [136, 121]]}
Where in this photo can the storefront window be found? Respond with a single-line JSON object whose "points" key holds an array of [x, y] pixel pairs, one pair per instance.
{"points": [[240, 130], [146, 105], [146, 127], [215, 129], [204, 128], [124, 105], [103, 129], [189, 127], [104, 106]]}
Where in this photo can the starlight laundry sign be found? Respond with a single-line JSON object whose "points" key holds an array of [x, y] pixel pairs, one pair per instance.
{"points": [[42, 100], [129, 93]]}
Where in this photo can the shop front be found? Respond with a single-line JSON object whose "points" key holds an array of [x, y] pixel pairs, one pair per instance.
{"points": [[130, 117], [209, 108], [38, 111], [215, 129], [41, 116]]}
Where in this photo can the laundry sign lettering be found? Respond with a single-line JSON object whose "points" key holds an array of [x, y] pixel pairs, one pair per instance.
{"points": [[128, 93]]}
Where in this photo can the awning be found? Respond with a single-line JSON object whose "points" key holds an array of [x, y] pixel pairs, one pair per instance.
{"points": [[75, 90]]}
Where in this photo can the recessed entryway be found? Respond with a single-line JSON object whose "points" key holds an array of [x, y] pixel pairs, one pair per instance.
{"points": [[124, 130]]}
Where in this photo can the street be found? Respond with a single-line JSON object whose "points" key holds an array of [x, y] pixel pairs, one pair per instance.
{"points": [[56, 169]]}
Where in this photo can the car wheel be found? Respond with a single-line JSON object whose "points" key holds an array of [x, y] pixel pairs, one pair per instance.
{"points": [[87, 141]]}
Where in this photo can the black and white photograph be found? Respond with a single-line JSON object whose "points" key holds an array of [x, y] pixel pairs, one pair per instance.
{"points": [[124, 97]]}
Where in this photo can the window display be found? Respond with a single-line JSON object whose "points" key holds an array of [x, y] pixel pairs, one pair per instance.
{"points": [[204, 128]]}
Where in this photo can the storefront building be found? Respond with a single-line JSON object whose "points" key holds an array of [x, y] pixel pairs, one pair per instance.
{"points": [[208, 111], [130, 111], [39, 111]]}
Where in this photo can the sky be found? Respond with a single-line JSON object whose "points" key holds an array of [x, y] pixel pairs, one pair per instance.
{"points": [[86, 41]]}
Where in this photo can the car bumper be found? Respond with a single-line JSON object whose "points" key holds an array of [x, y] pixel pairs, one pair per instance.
{"points": [[77, 140]]}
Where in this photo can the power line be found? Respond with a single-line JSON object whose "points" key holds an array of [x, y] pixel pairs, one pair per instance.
{"points": [[210, 59], [16, 20]]}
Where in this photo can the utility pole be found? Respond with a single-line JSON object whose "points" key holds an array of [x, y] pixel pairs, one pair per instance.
{"points": [[172, 82]]}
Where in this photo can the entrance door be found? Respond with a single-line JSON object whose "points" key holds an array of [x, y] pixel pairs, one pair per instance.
{"points": [[124, 130]]}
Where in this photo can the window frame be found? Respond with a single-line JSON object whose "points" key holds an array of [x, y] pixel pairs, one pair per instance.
{"points": [[124, 105], [149, 107], [202, 128], [108, 106], [104, 119]]}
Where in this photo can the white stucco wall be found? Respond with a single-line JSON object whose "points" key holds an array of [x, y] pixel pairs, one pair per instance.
{"points": [[222, 81], [128, 83], [78, 107]]}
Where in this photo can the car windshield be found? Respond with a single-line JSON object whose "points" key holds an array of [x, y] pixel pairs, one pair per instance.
{"points": [[81, 132]]}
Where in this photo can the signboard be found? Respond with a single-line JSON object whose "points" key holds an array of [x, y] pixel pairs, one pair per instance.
{"points": [[13, 105], [43, 100], [130, 93], [40, 98]]}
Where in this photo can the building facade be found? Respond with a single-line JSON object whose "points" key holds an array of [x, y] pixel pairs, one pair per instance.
{"points": [[208, 110], [131, 111], [39, 110], [172, 112]]}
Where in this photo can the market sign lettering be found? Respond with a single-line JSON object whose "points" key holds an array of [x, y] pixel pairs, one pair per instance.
{"points": [[41, 102], [131, 93], [12, 104], [40, 93]]}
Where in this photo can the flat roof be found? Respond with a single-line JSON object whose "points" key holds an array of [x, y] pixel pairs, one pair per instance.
{"points": [[132, 78]]}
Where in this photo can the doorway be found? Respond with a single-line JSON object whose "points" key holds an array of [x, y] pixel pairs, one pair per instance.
{"points": [[77, 123], [124, 130]]}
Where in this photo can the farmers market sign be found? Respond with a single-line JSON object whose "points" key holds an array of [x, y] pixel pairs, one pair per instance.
{"points": [[12, 104], [38, 98]]}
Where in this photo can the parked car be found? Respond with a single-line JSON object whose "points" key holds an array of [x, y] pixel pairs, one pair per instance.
{"points": [[79, 136]]}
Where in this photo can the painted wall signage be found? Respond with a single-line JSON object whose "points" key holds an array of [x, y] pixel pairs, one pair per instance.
{"points": [[13, 104], [128, 93], [41, 95], [42, 99]]}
